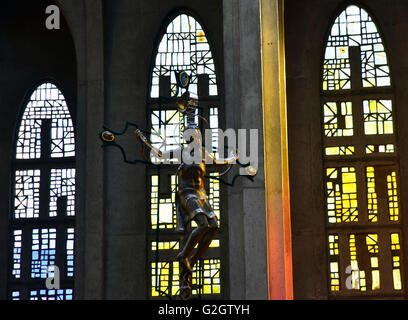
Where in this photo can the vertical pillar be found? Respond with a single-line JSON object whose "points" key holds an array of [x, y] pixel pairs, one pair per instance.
{"points": [[87, 25], [278, 225], [246, 219]]}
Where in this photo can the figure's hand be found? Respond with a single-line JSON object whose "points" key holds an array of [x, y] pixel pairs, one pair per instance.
{"points": [[143, 139], [140, 135]]}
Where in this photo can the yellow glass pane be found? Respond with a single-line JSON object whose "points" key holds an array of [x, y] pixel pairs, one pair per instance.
{"points": [[341, 195], [349, 177], [375, 284], [332, 151], [216, 289], [334, 267], [381, 108], [394, 238], [343, 83], [374, 262], [339, 150], [371, 239], [370, 149], [367, 84], [215, 244], [331, 172], [396, 275], [330, 108], [373, 106], [155, 180], [370, 128], [388, 127], [349, 188]]}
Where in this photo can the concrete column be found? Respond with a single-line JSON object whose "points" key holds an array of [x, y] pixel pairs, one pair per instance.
{"points": [[126, 83], [260, 263], [243, 104], [85, 19]]}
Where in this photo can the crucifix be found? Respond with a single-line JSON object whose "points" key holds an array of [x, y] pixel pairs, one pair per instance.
{"points": [[192, 202]]}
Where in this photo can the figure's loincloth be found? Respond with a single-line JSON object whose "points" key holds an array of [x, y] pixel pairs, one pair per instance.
{"points": [[192, 202]]}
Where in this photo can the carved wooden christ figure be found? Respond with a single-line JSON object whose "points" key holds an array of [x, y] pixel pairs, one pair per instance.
{"points": [[192, 203]]}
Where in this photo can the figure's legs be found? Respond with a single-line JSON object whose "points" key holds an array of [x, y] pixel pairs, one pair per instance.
{"points": [[205, 240], [193, 238]]}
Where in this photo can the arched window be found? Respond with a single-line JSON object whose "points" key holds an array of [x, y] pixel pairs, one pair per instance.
{"points": [[360, 155], [42, 218], [183, 46]]}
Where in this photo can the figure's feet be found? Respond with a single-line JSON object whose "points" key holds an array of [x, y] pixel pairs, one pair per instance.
{"points": [[184, 263], [185, 292]]}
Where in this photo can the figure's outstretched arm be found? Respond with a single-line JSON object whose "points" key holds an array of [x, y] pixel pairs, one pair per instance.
{"points": [[231, 159], [171, 154], [144, 140]]}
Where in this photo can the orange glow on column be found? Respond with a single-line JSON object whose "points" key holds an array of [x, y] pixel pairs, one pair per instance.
{"points": [[278, 224]]}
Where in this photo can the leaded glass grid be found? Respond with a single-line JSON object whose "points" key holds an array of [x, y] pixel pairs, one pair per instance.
{"points": [[42, 217], [355, 28], [184, 47], [43, 251], [62, 188], [360, 157], [60, 294], [46, 102], [27, 194]]}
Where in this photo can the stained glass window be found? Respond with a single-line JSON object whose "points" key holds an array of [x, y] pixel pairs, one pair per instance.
{"points": [[341, 195], [354, 28], [46, 104], [205, 278], [43, 212], [43, 250], [360, 156], [184, 46], [27, 194], [378, 117], [334, 262], [338, 119]]}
